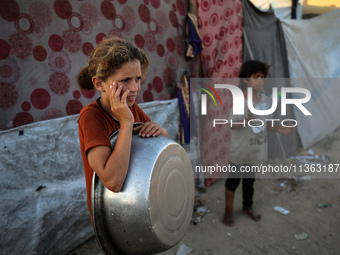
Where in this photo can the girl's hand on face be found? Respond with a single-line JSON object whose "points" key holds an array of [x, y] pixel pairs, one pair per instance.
{"points": [[148, 129], [118, 103]]}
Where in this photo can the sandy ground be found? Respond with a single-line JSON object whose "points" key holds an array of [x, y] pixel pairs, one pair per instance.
{"points": [[275, 233]]}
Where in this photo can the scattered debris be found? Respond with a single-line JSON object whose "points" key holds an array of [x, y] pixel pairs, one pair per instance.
{"points": [[197, 220], [40, 187], [183, 250], [321, 157], [324, 205], [200, 211], [301, 236], [292, 183], [305, 178], [289, 184], [281, 210], [307, 156]]}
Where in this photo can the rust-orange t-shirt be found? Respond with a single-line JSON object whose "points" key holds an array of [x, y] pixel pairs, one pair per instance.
{"points": [[95, 126]]}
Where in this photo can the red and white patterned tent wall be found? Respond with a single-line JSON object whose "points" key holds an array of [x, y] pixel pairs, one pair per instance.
{"points": [[221, 30], [44, 44]]}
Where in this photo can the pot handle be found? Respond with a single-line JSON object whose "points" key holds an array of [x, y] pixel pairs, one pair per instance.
{"points": [[114, 135]]}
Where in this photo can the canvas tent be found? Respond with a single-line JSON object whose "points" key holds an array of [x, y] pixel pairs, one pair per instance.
{"points": [[313, 48], [305, 49], [309, 50]]}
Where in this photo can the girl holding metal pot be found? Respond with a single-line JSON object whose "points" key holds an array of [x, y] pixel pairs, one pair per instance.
{"points": [[115, 68]]}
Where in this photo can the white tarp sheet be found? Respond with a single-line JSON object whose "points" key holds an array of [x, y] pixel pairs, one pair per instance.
{"points": [[42, 187], [313, 48]]}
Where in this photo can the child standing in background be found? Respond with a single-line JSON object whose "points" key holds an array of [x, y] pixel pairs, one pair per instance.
{"points": [[247, 147]]}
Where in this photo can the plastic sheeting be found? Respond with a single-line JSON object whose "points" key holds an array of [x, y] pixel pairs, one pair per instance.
{"points": [[42, 187], [313, 48], [264, 41]]}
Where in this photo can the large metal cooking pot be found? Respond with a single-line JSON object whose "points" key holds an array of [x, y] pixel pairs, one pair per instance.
{"points": [[154, 208]]}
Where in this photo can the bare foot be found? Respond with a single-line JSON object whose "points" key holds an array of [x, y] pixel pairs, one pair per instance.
{"points": [[256, 217], [228, 219]]}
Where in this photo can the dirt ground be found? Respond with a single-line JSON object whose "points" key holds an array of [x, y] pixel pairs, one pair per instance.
{"points": [[314, 205]]}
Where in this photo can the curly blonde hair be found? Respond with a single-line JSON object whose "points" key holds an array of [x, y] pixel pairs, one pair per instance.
{"points": [[109, 56]]}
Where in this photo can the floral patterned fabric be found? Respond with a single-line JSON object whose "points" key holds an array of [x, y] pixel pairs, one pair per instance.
{"points": [[220, 24], [44, 44]]}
